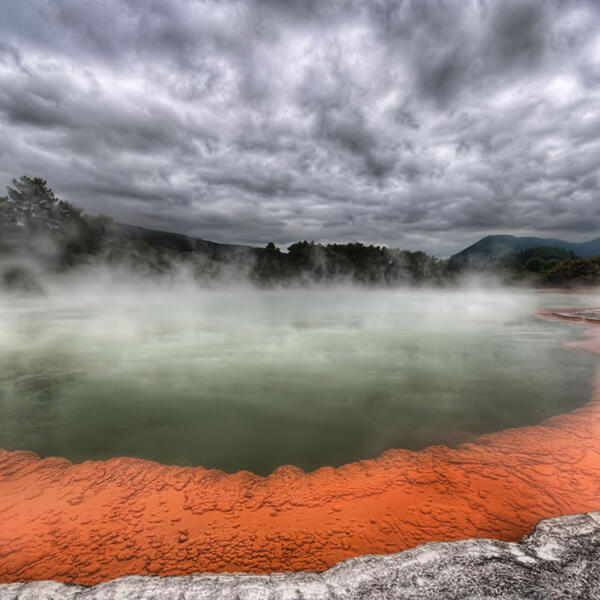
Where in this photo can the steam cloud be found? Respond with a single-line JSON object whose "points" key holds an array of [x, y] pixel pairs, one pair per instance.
{"points": [[240, 378]]}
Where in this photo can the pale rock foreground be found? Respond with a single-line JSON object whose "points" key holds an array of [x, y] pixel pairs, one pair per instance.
{"points": [[561, 559]]}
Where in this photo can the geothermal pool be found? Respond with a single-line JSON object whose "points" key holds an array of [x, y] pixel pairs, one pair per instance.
{"points": [[240, 379]]}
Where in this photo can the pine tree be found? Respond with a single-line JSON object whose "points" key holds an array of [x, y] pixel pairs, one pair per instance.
{"points": [[32, 205]]}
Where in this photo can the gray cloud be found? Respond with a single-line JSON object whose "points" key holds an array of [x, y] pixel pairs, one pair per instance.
{"points": [[413, 123]]}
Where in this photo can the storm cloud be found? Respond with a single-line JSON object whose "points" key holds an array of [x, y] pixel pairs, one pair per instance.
{"points": [[419, 124]]}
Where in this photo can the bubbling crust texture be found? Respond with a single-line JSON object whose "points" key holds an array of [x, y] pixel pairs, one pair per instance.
{"points": [[99, 520]]}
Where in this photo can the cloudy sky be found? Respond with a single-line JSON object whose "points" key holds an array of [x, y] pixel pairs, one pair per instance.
{"points": [[422, 124]]}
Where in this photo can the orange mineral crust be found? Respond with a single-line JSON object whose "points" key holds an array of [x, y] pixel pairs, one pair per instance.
{"points": [[95, 521]]}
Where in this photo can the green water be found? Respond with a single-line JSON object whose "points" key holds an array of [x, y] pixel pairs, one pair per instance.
{"points": [[238, 379]]}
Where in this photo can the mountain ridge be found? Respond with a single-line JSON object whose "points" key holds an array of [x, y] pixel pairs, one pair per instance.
{"points": [[496, 246], [181, 242]]}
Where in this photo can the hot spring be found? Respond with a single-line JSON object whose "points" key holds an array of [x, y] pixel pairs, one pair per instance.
{"points": [[249, 380]]}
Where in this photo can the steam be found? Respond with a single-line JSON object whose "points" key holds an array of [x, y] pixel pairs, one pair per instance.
{"points": [[235, 377]]}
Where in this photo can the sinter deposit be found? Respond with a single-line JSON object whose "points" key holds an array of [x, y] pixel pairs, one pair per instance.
{"points": [[561, 559]]}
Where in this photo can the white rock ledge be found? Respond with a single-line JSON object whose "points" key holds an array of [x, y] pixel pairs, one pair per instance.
{"points": [[561, 559]]}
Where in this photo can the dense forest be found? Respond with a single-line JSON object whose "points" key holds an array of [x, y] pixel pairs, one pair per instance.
{"points": [[41, 234]]}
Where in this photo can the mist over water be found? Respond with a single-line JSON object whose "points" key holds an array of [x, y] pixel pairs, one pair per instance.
{"points": [[237, 378]]}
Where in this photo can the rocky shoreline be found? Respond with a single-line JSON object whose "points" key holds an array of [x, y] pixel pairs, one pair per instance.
{"points": [[586, 315], [560, 559]]}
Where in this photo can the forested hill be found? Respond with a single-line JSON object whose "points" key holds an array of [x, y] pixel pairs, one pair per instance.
{"points": [[179, 242], [532, 260], [493, 247]]}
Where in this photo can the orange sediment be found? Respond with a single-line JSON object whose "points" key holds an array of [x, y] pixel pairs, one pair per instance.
{"points": [[95, 521]]}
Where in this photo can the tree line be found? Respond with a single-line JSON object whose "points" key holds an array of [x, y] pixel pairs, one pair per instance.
{"points": [[40, 232]]}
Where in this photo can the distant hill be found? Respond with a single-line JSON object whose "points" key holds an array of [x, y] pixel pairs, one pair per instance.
{"points": [[493, 247], [181, 243]]}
